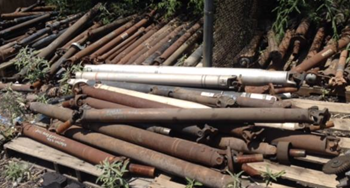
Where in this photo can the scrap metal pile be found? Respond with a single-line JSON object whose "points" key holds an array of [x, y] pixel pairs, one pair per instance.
{"points": [[186, 121]]}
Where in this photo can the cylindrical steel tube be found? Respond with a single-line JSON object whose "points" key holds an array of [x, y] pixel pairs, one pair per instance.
{"points": [[133, 46], [101, 104], [323, 55], [161, 161], [271, 115], [183, 48], [63, 114], [25, 24], [78, 149], [17, 87], [194, 58], [70, 33], [123, 99], [118, 39], [247, 76], [146, 88], [205, 81], [93, 47], [176, 147], [165, 100]]}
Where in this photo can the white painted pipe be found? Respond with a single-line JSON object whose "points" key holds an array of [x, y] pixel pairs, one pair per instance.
{"points": [[252, 77], [160, 99], [204, 81], [284, 126]]}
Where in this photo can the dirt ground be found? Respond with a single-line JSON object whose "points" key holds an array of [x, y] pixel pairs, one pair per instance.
{"points": [[34, 181]]}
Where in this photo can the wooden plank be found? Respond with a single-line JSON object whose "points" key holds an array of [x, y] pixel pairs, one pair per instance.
{"points": [[300, 175], [33, 148], [313, 159], [341, 124], [163, 181], [344, 143], [342, 108]]}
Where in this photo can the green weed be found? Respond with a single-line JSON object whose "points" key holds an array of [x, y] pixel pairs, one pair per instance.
{"points": [[112, 174]]}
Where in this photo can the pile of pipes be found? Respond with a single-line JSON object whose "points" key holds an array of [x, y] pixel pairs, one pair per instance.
{"points": [[186, 121], [317, 52]]}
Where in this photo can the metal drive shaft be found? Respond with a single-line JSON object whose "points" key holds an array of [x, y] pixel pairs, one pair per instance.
{"points": [[254, 77]]}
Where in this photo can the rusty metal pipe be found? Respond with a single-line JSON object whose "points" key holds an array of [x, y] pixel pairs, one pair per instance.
{"points": [[156, 44], [313, 144], [241, 159], [152, 59], [168, 52], [317, 42], [249, 54], [117, 48], [8, 23], [28, 23], [160, 99], [80, 150], [94, 103], [133, 46], [120, 38], [282, 48], [299, 39], [161, 161], [45, 8], [194, 58], [80, 36], [323, 55], [176, 147], [122, 48], [339, 79], [183, 48], [263, 115], [47, 52], [62, 114], [92, 32], [10, 16], [216, 102], [146, 45], [31, 7], [70, 33], [91, 48], [17, 87], [220, 100], [121, 98]]}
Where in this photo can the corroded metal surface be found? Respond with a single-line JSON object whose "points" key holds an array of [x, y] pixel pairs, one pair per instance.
{"points": [[80, 150]]}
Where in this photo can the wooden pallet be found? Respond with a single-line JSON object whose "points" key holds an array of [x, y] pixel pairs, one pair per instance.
{"points": [[60, 162], [303, 176]]}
